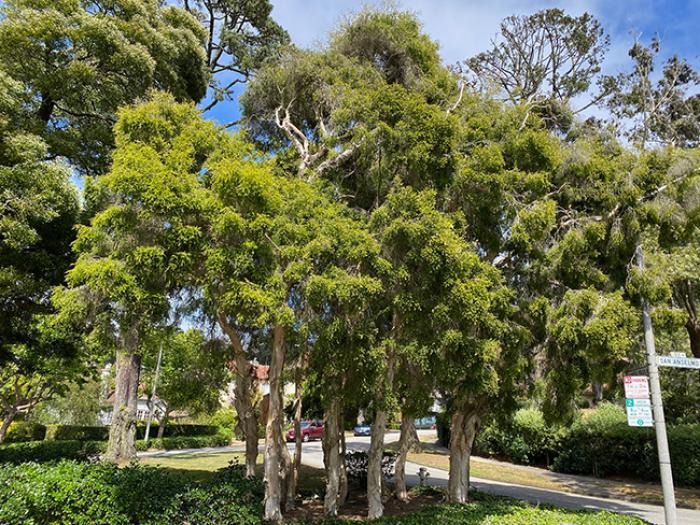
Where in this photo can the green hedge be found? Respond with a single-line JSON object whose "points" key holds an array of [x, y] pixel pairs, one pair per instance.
{"points": [[623, 450], [43, 451], [600, 443], [524, 439], [73, 493], [21, 431], [76, 433]]}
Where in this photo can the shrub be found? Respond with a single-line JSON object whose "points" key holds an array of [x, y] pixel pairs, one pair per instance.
{"points": [[42, 451], [73, 493], [184, 430], [230, 498], [76, 433], [22, 431], [525, 439], [357, 462], [442, 424], [602, 444]]}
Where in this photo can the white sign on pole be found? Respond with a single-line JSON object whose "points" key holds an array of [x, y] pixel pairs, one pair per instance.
{"points": [[637, 403], [678, 362], [640, 417], [637, 387]]}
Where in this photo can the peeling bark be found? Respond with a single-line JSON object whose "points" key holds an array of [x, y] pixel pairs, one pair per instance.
{"points": [[297, 430], [331, 458], [243, 397], [273, 431], [375, 477], [342, 468], [463, 429], [122, 431], [407, 440]]}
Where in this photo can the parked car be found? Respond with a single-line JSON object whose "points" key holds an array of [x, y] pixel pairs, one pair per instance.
{"points": [[309, 430], [363, 430], [427, 422]]}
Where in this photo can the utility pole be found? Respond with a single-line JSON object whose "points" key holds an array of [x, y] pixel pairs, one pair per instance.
{"points": [[658, 409], [153, 395]]}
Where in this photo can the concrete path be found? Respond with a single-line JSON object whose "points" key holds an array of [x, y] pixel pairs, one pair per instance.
{"points": [[313, 456]]}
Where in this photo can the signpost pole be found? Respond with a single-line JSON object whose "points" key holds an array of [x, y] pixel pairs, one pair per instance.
{"points": [[657, 407]]}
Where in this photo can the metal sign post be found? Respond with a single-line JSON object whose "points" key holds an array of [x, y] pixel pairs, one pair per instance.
{"points": [[658, 409]]}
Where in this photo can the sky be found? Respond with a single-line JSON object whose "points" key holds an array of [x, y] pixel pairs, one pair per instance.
{"points": [[466, 27]]}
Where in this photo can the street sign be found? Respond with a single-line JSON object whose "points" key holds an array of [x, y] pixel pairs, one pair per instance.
{"points": [[639, 416], [678, 362], [637, 387], [637, 403]]}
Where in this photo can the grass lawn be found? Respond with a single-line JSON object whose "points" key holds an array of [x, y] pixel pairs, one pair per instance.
{"points": [[201, 466], [535, 477]]}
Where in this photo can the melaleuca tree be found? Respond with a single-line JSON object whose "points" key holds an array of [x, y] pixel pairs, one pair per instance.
{"points": [[141, 248], [444, 319], [343, 358], [240, 36], [238, 264], [78, 61]]}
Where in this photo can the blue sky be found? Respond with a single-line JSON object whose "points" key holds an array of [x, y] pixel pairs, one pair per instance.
{"points": [[465, 27]]}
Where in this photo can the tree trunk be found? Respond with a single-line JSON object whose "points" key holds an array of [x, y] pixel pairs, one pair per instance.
{"points": [[694, 336], [247, 422], [287, 473], [463, 429], [162, 423], [331, 458], [297, 430], [375, 477], [406, 441], [6, 421], [342, 468], [243, 397], [122, 431], [273, 431], [374, 467]]}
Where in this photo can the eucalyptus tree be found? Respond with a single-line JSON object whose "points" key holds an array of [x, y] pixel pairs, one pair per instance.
{"points": [[141, 248], [80, 60], [543, 61], [656, 112], [371, 106]]}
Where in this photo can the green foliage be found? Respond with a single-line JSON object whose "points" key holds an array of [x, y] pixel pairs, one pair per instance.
{"points": [[607, 446], [525, 439], [76, 493], [22, 431], [79, 61], [492, 510], [76, 433], [45, 451]]}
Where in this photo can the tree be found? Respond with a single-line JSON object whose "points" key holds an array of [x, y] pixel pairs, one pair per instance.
{"points": [[240, 36], [141, 249], [78, 61], [660, 112], [193, 370], [39, 208], [543, 61]]}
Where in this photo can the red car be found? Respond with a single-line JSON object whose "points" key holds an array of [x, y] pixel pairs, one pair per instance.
{"points": [[309, 430]]}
